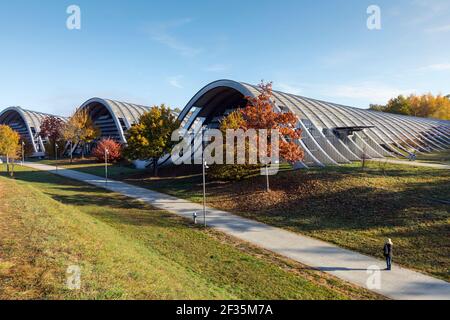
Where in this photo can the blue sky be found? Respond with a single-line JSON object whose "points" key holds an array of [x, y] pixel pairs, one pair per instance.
{"points": [[152, 52]]}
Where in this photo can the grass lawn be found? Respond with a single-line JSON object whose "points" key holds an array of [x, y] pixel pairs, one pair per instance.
{"points": [[437, 157], [115, 171], [129, 250], [343, 205]]}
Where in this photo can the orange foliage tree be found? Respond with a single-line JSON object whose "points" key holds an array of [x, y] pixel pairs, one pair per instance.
{"points": [[260, 114]]}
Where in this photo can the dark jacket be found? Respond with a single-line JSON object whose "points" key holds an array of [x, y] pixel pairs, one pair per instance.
{"points": [[387, 250]]}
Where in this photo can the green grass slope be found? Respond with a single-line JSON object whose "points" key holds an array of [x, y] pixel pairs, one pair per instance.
{"points": [[129, 250], [353, 208]]}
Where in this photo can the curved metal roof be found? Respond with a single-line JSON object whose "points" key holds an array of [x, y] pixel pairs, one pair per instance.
{"points": [[27, 123], [332, 133], [123, 114]]}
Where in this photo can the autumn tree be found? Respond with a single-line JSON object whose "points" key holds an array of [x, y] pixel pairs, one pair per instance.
{"points": [[52, 129], [112, 146], [234, 121], [259, 114], [151, 137], [426, 106], [80, 129], [9, 146]]}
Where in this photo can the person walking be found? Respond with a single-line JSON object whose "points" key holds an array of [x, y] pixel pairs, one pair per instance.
{"points": [[387, 251]]}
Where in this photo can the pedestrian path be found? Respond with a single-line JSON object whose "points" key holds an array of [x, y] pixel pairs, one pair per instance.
{"points": [[351, 266], [415, 163]]}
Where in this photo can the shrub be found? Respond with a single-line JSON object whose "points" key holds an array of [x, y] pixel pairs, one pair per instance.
{"points": [[114, 148], [234, 172]]}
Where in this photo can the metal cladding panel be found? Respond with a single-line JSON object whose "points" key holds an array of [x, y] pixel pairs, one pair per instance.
{"points": [[383, 134], [128, 111], [123, 114], [31, 119]]}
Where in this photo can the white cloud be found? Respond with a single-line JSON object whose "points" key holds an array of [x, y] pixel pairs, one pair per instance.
{"points": [[175, 81], [162, 33], [217, 68], [288, 88], [435, 6], [436, 67], [429, 11], [339, 58], [444, 28], [375, 92]]}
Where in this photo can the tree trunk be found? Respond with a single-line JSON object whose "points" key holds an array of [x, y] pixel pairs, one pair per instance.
{"points": [[83, 146], [155, 166], [7, 164]]}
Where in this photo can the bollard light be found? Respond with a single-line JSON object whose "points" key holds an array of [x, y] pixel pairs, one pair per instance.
{"points": [[194, 216]]}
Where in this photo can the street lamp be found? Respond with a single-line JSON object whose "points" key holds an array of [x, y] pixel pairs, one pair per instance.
{"points": [[23, 153], [71, 149], [56, 156], [204, 167], [106, 165], [267, 174]]}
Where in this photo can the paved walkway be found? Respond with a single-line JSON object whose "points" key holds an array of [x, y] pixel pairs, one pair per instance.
{"points": [[351, 266], [415, 163]]}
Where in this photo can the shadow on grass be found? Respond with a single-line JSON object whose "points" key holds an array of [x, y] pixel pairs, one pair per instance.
{"points": [[348, 208], [76, 193]]}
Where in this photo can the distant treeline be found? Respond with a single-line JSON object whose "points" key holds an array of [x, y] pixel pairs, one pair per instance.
{"points": [[427, 106]]}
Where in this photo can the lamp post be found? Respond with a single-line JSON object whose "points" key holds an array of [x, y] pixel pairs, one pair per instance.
{"points": [[106, 165], [71, 149], [56, 156], [23, 153], [267, 173], [204, 167]]}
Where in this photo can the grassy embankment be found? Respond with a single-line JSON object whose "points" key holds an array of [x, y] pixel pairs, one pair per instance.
{"points": [[344, 205], [129, 250]]}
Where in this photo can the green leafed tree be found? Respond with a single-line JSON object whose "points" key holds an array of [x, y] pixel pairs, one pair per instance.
{"points": [[399, 105], [151, 137], [377, 107]]}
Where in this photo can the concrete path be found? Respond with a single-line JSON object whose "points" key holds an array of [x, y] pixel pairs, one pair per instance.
{"points": [[350, 266], [415, 163]]}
